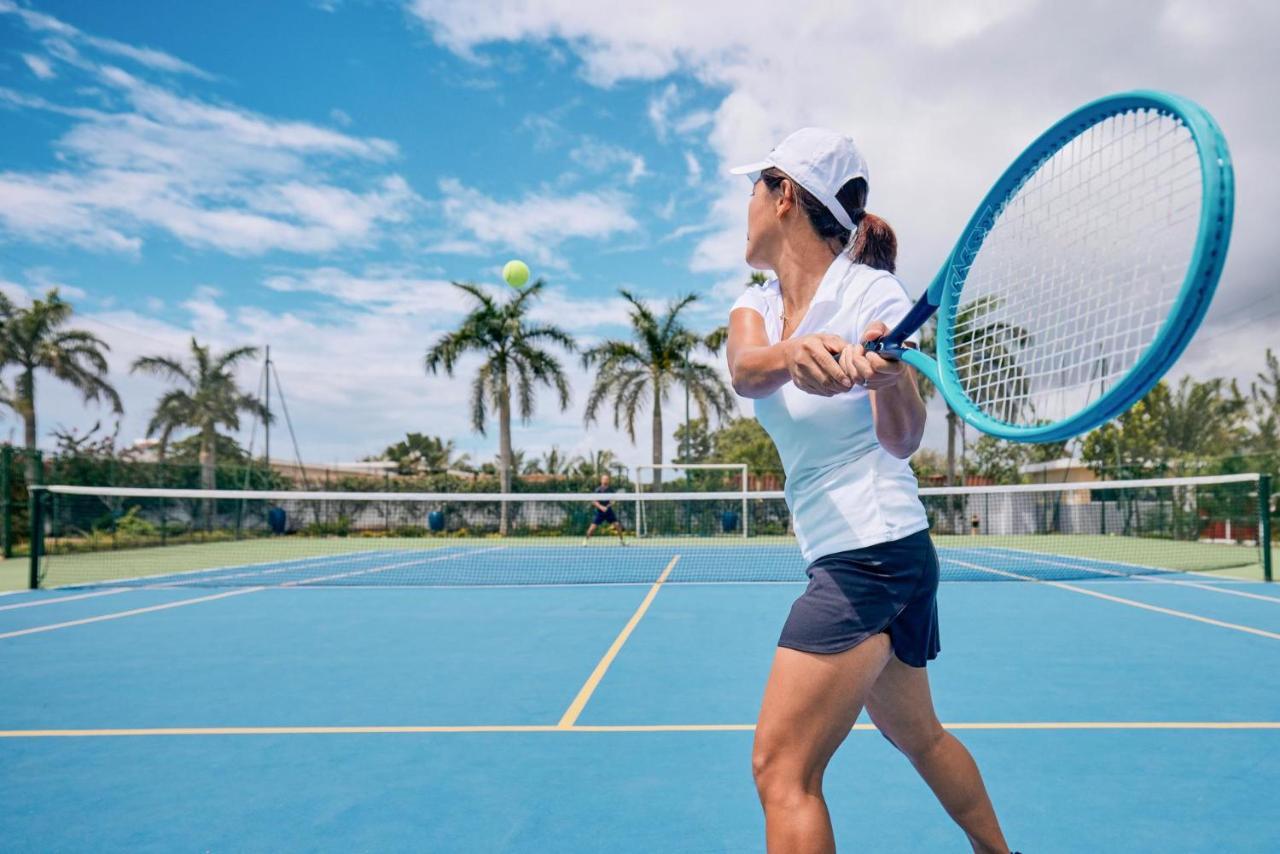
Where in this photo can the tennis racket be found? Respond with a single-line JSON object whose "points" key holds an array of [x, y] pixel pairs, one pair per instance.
{"points": [[1084, 272]]}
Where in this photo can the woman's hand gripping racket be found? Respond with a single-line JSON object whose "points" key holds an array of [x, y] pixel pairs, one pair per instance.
{"points": [[1084, 272]]}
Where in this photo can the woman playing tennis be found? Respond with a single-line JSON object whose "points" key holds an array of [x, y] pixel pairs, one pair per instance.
{"points": [[844, 421]]}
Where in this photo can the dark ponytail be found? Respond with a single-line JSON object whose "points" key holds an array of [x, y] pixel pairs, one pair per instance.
{"points": [[875, 244]]}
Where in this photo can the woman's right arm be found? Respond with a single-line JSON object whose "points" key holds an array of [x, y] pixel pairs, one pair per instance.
{"points": [[759, 368]]}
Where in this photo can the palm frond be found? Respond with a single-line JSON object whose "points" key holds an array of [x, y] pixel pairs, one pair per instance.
{"points": [[229, 358], [163, 366], [628, 401], [479, 389]]}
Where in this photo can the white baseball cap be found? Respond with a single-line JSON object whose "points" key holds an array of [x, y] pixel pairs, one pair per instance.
{"points": [[820, 160]]}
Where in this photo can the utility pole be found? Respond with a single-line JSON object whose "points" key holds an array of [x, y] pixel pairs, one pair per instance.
{"points": [[266, 422]]}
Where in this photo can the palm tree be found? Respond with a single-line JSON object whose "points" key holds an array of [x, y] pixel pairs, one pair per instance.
{"points": [[717, 337], [418, 453], [553, 462], [206, 398], [32, 338], [596, 464], [977, 341], [644, 370], [1264, 396], [509, 342]]}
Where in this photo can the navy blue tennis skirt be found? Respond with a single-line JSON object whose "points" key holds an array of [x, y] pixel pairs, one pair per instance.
{"points": [[853, 595]]}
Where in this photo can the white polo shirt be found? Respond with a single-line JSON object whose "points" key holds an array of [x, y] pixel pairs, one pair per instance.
{"points": [[843, 489]]}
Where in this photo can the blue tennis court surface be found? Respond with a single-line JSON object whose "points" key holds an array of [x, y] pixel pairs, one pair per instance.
{"points": [[249, 708]]}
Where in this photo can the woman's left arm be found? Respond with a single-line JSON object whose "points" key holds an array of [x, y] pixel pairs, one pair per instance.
{"points": [[896, 408]]}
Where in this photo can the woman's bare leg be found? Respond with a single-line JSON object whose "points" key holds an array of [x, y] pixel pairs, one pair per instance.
{"points": [[810, 703], [902, 708]]}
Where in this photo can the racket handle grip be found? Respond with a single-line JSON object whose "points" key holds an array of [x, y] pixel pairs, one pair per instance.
{"points": [[883, 349], [891, 345]]}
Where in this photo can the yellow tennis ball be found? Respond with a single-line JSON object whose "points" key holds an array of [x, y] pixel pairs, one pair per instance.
{"points": [[516, 273]]}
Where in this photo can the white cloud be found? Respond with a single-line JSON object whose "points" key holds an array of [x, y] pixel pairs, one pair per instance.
{"points": [[694, 121], [598, 157], [50, 26], [454, 246], [685, 231], [1195, 22], [558, 307], [661, 111], [14, 291], [538, 223], [390, 289], [694, 167], [940, 99], [377, 289], [340, 117], [660, 107], [667, 209], [55, 207], [39, 66], [210, 175], [546, 131], [942, 25]]}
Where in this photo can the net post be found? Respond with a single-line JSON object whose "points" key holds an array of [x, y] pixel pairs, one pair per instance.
{"points": [[1264, 524], [35, 502]]}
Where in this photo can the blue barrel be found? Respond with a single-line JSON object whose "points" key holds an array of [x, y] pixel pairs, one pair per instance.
{"points": [[729, 521], [435, 520], [276, 520]]}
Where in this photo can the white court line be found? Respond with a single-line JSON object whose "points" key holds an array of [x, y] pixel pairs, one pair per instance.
{"points": [[121, 614], [287, 566], [1156, 579], [256, 589], [1223, 579], [1131, 602], [417, 560], [129, 582], [246, 570], [520, 585], [59, 599]]}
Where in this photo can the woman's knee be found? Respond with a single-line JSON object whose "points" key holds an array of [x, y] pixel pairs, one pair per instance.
{"points": [[780, 777], [916, 740]]}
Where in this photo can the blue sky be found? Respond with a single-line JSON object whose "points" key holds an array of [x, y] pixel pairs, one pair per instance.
{"points": [[312, 174]]}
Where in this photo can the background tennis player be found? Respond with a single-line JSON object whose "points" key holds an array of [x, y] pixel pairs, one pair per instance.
{"points": [[604, 514], [844, 421]]}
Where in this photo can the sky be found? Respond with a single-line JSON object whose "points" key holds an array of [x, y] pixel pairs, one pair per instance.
{"points": [[314, 175]]}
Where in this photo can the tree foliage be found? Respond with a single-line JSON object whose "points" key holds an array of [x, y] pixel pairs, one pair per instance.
{"points": [[516, 361], [205, 396], [693, 442], [1178, 430], [418, 453], [35, 340], [641, 373], [743, 440]]}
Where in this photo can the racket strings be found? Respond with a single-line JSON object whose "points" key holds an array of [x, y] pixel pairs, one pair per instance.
{"points": [[1078, 270]]}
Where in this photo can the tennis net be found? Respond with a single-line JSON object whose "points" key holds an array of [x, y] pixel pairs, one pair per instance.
{"points": [[123, 536]]}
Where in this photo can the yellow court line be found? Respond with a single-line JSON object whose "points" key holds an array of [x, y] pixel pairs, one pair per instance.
{"points": [[548, 728], [121, 614], [571, 714], [1121, 600]]}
